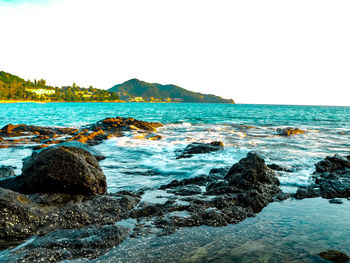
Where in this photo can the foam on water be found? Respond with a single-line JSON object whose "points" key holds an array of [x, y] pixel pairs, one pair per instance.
{"points": [[134, 162]]}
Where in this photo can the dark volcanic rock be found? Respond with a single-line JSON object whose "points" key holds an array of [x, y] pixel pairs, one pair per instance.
{"points": [[200, 148], [190, 189], [336, 201], [279, 168], [336, 163], [335, 256], [332, 179], [22, 216], [67, 244], [307, 192], [63, 169], [198, 180], [251, 171], [99, 156], [6, 171], [289, 131]]}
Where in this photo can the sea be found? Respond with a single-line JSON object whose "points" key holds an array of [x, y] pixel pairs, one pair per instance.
{"points": [[289, 231]]}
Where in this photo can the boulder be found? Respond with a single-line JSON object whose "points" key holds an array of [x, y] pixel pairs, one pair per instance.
{"points": [[200, 148], [251, 171], [289, 131], [99, 156], [6, 171], [331, 179], [335, 256], [63, 169]]}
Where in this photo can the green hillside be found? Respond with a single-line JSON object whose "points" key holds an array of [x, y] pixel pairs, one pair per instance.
{"points": [[15, 88], [136, 90]]}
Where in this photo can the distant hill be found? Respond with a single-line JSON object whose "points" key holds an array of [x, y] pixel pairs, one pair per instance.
{"points": [[137, 90]]}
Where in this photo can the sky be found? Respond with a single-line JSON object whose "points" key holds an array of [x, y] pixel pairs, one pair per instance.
{"points": [[253, 51]]}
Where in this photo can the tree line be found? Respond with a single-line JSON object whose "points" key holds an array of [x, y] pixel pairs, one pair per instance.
{"points": [[15, 88]]}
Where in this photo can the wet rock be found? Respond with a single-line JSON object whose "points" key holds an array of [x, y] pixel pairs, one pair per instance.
{"points": [[63, 169], [250, 172], [99, 156], [87, 242], [6, 171], [200, 148], [289, 131], [22, 216], [17, 221], [190, 189], [124, 124], [335, 256], [307, 192], [279, 168], [332, 179], [198, 180], [335, 163], [282, 196], [217, 173], [90, 134], [336, 201]]}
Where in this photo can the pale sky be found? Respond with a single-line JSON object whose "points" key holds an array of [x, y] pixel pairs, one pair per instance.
{"points": [[253, 51]]}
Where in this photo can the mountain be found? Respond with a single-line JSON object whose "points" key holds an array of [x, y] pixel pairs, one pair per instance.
{"points": [[137, 90]]}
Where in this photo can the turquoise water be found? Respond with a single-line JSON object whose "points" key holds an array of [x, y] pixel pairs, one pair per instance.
{"points": [[134, 163], [290, 231]]}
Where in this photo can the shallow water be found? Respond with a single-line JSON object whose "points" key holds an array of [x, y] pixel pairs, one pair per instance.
{"points": [[289, 231], [283, 232], [133, 162]]}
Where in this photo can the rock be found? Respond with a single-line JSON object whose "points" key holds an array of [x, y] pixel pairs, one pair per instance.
{"points": [[336, 163], [22, 216], [335, 256], [336, 201], [307, 192], [124, 124], [6, 171], [279, 168], [282, 196], [17, 221], [200, 148], [190, 189], [67, 244], [331, 179], [251, 171], [63, 169], [99, 156], [289, 131], [198, 180], [90, 134]]}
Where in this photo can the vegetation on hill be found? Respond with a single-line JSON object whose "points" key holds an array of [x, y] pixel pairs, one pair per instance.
{"points": [[143, 91], [16, 88]]}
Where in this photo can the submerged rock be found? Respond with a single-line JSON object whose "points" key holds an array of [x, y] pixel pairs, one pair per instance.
{"points": [[67, 244], [279, 168], [6, 171], [63, 169], [200, 148], [335, 256], [289, 131], [332, 179]]}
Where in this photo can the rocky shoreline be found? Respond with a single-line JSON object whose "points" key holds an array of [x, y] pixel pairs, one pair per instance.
{"points": [[61, 196]]}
